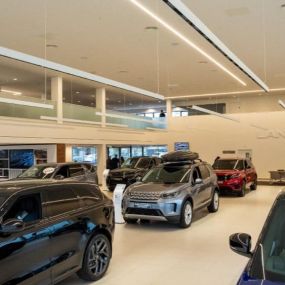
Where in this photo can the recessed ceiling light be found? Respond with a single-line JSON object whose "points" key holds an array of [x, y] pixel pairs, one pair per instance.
{"points": [[175, 44], [83, 57], [203, 62], [51, 46], [123, 71], [15, 79], [119, 101], [78, 101], [93, 96], [130, 104], [77, 92], [151, 28]]}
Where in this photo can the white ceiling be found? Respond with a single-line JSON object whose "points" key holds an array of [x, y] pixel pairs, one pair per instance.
{"points": [[109, 38]]}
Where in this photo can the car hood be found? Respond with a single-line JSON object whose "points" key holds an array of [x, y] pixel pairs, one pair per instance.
{"points": [[156, 187]]}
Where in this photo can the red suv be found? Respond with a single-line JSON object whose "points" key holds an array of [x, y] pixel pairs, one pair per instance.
{"points": [[235, 174]]}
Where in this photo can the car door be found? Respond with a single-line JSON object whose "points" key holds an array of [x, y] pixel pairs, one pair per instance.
{"points": [[25, 254], [207, 188], [197, 189], [67, 233]]}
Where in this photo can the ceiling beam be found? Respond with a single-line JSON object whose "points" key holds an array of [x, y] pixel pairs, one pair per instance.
{"points": [[188, 16], [9, 53]]}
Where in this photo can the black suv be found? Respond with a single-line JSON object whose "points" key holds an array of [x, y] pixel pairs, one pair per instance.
{"points": [[131, 170], [49, 230], [73, 171]]}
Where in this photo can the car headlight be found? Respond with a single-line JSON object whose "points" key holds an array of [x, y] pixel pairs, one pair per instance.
{"points": [[237, 175], [170, 195]]}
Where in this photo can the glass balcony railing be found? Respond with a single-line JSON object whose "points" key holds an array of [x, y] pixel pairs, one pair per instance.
{"points": [[25, 107], [32, 108]]}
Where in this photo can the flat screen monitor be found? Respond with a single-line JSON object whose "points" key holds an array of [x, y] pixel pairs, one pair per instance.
{"points": [[21, 158], [182, 146]]}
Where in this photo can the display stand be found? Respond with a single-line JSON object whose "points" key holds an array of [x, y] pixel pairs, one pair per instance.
{"points": [[104, 182], [117, 198]]}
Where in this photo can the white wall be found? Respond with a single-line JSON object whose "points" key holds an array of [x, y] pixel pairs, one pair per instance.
{"points": [[210, 135], [266, 102]]}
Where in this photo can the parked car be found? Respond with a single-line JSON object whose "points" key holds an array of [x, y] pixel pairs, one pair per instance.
{"points": [[73, 171], [267, 261], [50, 230], [171, 192], [235, 175], [131, 170]]}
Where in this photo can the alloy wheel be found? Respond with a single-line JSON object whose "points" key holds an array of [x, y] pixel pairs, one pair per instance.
{"points": [[188, 214], [99, 256]]}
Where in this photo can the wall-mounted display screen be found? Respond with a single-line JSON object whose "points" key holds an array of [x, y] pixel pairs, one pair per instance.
{"points": [[21, 158], [182, 146]]}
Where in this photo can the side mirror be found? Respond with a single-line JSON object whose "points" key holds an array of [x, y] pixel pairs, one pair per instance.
{"points": [[198, 181], [240, 243], [59, 177], [12, 226]]}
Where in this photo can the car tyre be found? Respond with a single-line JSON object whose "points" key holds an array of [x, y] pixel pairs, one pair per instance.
{"points": [[96, 259], [214, 206], [242, 190], [186, 215], [253, 186], [130, 221]]}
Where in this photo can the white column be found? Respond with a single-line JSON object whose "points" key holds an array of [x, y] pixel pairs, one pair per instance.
{"points": [[168, 111], [101, 161], [101, 104], [56, 96]]}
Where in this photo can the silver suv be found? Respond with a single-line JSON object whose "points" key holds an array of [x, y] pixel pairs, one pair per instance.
{"points": [[171, 192]]}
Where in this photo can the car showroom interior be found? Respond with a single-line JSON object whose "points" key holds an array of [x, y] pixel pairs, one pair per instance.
{"points": [[142, 142]]}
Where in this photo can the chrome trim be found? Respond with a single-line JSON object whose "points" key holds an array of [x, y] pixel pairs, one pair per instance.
{"points": [[145, 217]]}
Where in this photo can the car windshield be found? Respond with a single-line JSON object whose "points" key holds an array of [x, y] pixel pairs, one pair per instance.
{"points": [[228, 164], [167, 174], [131, 162], [269, 259], [38, 172]]}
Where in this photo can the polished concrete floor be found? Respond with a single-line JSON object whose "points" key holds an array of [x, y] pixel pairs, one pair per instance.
{"points": [[162, 254]]}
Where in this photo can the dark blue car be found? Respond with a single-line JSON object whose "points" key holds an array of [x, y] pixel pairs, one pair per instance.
{"points": [[267, 261]]}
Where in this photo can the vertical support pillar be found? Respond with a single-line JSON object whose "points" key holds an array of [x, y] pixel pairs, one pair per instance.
{"points": [[101, 162], [56, 96], [168, 111], [101, 104]]}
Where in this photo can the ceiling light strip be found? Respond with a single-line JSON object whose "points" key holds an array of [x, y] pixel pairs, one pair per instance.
{"points": [[75, 72], [25, 103], [187, 15], [197, 108], [15, 93], [186, 40]]}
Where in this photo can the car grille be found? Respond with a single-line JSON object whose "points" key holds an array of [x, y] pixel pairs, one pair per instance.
{"points": [[223, 177], [144, 195], [149, 212]]}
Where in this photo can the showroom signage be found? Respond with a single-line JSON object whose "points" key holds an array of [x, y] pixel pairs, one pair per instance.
{"points": [[275, 133]]}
